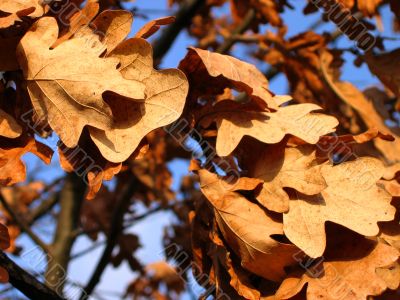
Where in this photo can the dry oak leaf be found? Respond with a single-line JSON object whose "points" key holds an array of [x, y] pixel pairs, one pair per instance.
{"points": [[9, 128], [352, 199], [88, 163], [66, 84], [390, 274], [248, 228], [153, 26], [271, 127], [281, 168], [166, 93], [15, 9], [222, 71], [390, 231], [341, 146], [349, 94], [12, 169], [240, 279], [79, 19], [112, 26], [350, 276]]}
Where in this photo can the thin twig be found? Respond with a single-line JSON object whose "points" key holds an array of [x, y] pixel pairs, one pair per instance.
{"points": [[183, 18], [44, 207], [25, 282], [243, 26], [112, 238]]}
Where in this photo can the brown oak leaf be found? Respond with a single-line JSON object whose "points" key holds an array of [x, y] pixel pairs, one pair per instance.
{"points": [[271, 127], [13, 10], [166, 92], [12, 169], [248, 228], [280, 168], [352, 199], [211, 73], [9, 128], [348, 272], [66, 84]]}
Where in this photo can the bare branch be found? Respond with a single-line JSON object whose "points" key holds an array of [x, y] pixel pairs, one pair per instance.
{"points": [[71, 198], [112, 238], [25, 282], [183, 19]]}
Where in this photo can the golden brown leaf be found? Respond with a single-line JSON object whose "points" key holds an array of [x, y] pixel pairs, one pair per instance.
{"points": [[8, 126], [281, 168], [81, 18], [271, 127], [349, 94], [14, 9], [66, 84], [212, 73], [166, 92], [12, 169], [153, 26], [4, 244], [112, 26], [352, 199], [385, 66], [350, 273], [241, 223]]}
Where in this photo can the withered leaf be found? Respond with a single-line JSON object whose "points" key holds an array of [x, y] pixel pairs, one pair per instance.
{"points": [[248, 228], [349, 94], [352, 199], [281, 168], [4, 237], [271, 127], [66, 84], [166, 92], [8, 126], [112, 26], [12, 169], [89, 164], [351, 275], [15, 9], [153, 26], [226, 71], [81, 18]]}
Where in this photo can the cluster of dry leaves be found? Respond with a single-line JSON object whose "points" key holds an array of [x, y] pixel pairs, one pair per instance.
{"points": [[295, 203], [279, 220]]}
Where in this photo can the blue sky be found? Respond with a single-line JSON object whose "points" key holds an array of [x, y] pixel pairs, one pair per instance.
{"points": [[150, 231]]}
